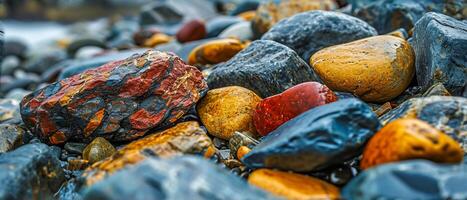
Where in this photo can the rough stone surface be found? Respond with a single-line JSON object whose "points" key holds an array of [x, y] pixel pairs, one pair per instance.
{"points": [[440, 43], [292, 186], [376, 69], [186, 137], [278, 109], [265, 67], [308, 32], [184, 177], [389, 15], [448, 114], [11, 137], [406, 139], [416, 179], [229, 109], [30, 172], [119, 101], [323, 136]]}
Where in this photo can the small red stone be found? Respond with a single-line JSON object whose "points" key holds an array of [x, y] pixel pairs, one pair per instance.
{"points": [[273, 111], [191, 31]]}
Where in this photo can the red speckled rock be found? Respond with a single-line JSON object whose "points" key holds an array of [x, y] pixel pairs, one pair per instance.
{"points": [[278, 109], [119, 101], [191, 31]]}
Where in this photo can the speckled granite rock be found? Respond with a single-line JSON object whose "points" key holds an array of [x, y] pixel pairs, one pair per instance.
{"points": [[308, 32], [265, 67], [184, 177]]}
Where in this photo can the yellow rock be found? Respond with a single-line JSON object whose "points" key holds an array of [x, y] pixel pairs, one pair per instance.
{"points": [[405, 139], [376, 69], [156, 39], [215, 51], [184, 138], [242, 151], [293, 186], [226, 110], [247, 15], [98, 150]]}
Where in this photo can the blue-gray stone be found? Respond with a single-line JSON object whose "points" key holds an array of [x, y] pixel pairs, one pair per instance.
{"points": [[30, 172], [265, 67], [440, 45], [308, 32], [318, 138], [448, 114], [416, 179], [184, 177], [244, 6], [215, 26]]}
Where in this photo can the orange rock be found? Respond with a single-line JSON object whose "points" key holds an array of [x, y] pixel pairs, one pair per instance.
{"points": [[247, 15], [156, 39], [226, 110], [292, 186], [186, 137], [376, 69], [405, 139], [216, 51], [243, 150]]}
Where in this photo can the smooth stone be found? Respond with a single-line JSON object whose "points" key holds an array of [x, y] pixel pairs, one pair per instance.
{"points": [[17, 94], [244, 6], [41, 61], [321, 137], [375, 69], [52, 74], [440, 43], [191, 31], [418, 179], [275, 110], [156, 40], [445, 113], [143, 34], [216, 51], [9, 64], [241, 31], [83, 65], [11, 137], [290, 185], [265, 67], [326, 29], [216, 25], [227, 110], [270, 12], [9, 109], [240, 139], [407, 139], [99, 149], [119, 101], [185, 50], [28, 82], [32, 171], [185, 177], [183, 138], [76, 45], [74, 147], [242, 151], [388, 15], [17, 48]]}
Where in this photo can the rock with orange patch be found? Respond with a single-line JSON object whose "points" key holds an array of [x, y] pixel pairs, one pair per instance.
{"points": [[292, 186], [184, 138], [157, 39], [226, 110], [406, 139], [376, 69], [242, 151], [215, 51], [119, 101]]}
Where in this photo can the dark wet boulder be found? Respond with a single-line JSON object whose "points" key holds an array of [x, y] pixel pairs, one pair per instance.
{"points": [[308, 32], [186, 177], [448, 114], [265, 67], [388, 15], [416, 179], [30, 172], [119, 101], [316, 139], [440, 45]]}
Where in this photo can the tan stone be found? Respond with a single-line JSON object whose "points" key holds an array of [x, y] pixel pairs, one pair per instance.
{"points": [[215, 51], [98, 150], [226, 110], [376, 69]]}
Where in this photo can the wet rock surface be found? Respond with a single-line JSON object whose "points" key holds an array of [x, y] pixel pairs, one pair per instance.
{"points": [[11, 137], [308, 32], [265, 67]]}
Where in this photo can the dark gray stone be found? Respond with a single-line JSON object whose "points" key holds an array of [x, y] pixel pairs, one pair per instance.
{"points": [[318, 138], [265, 67], [416, 179], [440, 45], [30, 172], [308, 32], [75, 147], [185, 177], [388, 15], [215, 26]]}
